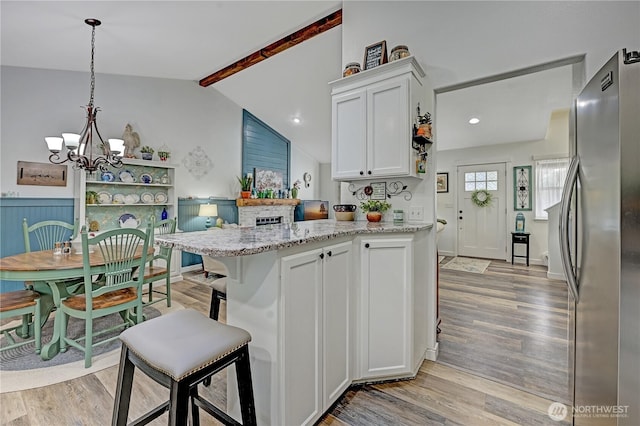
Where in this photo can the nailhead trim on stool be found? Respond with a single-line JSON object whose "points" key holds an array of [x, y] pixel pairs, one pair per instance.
{"points": [[179, 350]]}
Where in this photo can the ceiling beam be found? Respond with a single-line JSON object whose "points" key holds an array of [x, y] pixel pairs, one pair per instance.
{"points": [[318, 27]]}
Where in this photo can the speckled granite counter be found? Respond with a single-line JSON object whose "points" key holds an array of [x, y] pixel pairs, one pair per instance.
{"points": [[246, 241]]}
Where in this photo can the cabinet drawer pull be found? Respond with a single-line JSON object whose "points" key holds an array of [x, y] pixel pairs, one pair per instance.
{"points": [[361, 173], [321, 255], [329, 253]]}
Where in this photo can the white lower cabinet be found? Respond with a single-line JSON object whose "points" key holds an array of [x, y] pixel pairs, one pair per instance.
{"points": [[385, 325], [315, 300]]}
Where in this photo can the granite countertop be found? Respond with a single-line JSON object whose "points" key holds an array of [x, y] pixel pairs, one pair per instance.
{"points": [[251, 240]]}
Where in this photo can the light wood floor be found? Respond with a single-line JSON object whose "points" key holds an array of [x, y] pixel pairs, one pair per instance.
{"points": [[440, 394]]}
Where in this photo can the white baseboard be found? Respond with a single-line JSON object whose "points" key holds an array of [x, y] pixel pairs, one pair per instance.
{"points": [[432, 353], [446, 253], [196, 267], [556, 276]]}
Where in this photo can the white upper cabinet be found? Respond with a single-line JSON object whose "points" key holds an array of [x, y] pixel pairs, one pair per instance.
{"points": [[372, 119]]}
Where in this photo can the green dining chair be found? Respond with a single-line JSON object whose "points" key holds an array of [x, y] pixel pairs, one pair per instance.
{"points": [[25, 304], [159, 267], [47, 233], [119, 290]]}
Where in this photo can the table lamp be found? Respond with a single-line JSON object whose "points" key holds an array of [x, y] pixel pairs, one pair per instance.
{"points": [[208, 210]]}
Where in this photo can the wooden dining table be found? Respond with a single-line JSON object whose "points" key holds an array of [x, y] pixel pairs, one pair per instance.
{"points": [[53, 275]]}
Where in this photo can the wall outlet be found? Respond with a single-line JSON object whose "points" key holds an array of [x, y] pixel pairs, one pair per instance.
{"points": [[416, 213]]}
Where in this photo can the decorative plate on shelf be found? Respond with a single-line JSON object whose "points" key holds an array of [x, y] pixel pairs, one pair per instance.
{"points": [[161, 197], [147, 198], [107, 176], [104, 197], [146, 178], [127, 176], [132, 198], [128, 220], [118, 199]]}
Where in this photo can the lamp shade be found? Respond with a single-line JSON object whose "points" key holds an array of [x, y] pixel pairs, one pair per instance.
{"points": [[208, 210], [117, 147]]}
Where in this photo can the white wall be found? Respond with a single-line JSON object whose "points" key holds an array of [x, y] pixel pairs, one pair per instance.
{"points": [[556, 143], [38, 103]]}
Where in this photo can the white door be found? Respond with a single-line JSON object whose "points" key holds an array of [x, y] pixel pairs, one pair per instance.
{"points": [[349, 140], [482, 230]]}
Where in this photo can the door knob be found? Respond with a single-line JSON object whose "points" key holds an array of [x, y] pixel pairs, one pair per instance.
{"points": [[460, 217], [366, 245], [460, 211]]}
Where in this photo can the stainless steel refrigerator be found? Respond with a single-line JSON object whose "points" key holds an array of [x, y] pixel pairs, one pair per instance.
{"points": [[600, 244]]}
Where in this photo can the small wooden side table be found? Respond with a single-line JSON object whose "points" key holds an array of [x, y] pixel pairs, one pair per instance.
{"points": [[519, 238]]}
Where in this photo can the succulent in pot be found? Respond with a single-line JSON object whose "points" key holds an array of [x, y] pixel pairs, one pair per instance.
{"points": [[245, 185], [147, 152], [374, 209]]}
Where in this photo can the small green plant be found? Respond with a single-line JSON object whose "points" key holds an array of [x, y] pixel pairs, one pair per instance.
{"points": [[245, 182], [163, 155], [374, 206], [147, 149]]}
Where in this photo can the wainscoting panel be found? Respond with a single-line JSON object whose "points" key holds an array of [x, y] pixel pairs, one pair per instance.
{"points": [[189, 221], [13, 210]]}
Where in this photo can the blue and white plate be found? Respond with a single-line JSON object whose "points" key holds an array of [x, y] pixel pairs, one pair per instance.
{"points": [[107, 176], [128, 220], [146, 178], [127, 176]]}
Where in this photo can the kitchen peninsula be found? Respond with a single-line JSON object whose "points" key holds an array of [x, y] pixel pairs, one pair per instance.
{"points": [[327, 304]]}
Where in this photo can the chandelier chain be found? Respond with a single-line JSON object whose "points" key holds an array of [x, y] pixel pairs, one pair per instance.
{"points": [[93, 76]]}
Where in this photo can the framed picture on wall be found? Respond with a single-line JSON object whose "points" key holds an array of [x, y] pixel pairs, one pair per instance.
{"points": [[267, 179], [522, 188], [41, 174], [442, 182]]}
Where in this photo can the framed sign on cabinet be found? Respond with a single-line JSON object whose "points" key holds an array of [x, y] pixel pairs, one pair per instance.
{"points": [[375, 55], [522, 188]]}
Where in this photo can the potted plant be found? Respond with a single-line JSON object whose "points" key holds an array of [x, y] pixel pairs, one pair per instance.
{"points": [[245, 186], [147, 152], [295, 189], [164, 155], [374, 209]]}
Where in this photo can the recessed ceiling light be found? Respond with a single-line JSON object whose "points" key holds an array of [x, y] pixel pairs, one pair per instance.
{"points": [[296, 120], [474, 120]]}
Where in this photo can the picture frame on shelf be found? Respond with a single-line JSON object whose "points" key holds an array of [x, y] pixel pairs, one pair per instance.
{"points": [[442, 182], [375, 55]]}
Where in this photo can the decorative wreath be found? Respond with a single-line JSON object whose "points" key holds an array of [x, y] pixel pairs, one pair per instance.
{"points": [[481, 197]]}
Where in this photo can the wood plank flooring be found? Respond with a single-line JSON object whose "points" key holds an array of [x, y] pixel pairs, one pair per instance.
{"points": [[440, 394], [509, 324]]}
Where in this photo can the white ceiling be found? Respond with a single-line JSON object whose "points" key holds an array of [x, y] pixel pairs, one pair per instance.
{"points": [[191, 39]]}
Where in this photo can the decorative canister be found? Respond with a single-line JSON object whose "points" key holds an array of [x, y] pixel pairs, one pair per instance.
{"points": [[399, 52], [351, 68]]}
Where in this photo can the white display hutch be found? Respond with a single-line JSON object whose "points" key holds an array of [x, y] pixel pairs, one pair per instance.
{"points": [[122, 199]]}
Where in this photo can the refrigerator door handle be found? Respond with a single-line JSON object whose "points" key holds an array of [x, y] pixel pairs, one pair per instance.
{"points": [[565, 244]]}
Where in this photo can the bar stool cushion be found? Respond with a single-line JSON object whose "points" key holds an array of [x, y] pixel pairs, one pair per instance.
{"points": [[182, 342]]}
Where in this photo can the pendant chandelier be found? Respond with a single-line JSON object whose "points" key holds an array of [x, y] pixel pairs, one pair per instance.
{"points": [[80, 150]]}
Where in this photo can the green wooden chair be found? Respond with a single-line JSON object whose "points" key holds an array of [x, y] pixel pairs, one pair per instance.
{"points": [[25, 303], [119, 291], [47, 233], [156, 272]]}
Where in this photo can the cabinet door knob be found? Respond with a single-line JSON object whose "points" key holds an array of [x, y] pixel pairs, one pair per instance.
{"points": [[361, 173], [321, 255], [366, 245], [329, 253], [368, 172]]}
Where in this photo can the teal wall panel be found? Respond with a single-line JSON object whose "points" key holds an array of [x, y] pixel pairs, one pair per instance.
{"points": [[13, 210], [189, 221], [264, 148]]}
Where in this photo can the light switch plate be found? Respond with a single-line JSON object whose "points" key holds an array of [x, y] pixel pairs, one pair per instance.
{"points": [[416, 213]]}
